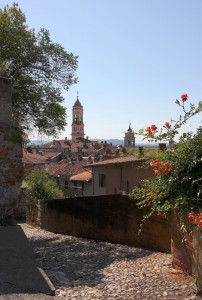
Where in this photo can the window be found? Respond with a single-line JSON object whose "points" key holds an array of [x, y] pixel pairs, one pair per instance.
{"points": [[66, 185], [102, 180], [127, 186], [75, 185]]}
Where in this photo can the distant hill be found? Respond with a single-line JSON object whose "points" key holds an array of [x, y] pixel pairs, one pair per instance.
{"points": [[37, 142], [117, 142], [114, 142]]}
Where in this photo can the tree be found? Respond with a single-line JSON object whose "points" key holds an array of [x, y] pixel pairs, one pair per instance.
{"points": [[38, 186], [39, 69]]}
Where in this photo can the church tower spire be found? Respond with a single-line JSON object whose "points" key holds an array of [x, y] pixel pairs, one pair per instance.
{"points": [[77, 121]]}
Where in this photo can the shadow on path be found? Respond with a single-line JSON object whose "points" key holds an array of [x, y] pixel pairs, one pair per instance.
{"points": [[78, 261], [18, 269]]}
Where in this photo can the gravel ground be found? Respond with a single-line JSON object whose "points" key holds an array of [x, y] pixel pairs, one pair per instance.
{"points": [[86, 269]]}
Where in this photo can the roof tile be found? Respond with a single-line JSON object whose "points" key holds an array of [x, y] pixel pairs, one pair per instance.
{"points": [[33, 158]]}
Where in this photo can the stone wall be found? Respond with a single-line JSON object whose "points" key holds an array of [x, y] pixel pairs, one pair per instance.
{"points": [[187, 249], [197, 257], [181, 245], [111, 218], [11, 169]]}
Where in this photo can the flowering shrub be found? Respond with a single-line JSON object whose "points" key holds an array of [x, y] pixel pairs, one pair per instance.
{"points": [[178, 170], [160, 167], [168, 132], [151, 130]]}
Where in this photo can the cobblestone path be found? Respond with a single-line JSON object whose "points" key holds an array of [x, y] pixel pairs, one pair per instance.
{"points": [[86, 269]]}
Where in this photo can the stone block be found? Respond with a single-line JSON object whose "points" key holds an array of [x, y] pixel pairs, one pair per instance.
{"points": [[11, 168]]}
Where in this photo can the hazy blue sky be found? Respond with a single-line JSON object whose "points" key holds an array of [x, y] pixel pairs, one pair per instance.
{"points": [[135, 58]]}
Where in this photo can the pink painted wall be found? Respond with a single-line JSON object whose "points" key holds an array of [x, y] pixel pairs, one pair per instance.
{"points": [[125, 178]]}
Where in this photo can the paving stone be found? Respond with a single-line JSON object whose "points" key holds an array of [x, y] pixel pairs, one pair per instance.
{"points": [[85, 269]]}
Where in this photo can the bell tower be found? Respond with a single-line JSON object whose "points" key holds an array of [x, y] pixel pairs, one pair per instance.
{"points": [[77, 121], [129, 139]]}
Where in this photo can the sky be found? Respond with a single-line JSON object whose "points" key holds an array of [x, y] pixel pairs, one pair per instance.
{"points": [[136, 57]]}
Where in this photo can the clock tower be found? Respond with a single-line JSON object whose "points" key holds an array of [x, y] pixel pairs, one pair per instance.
{"points": [[77, 121]]}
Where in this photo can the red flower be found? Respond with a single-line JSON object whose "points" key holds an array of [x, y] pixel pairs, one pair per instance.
{"points": [[153, 127], [191, 214], [200, 224], [164, 167], [154, 163], [149, 132], [184, 97], [160, 167], [157, 171], [167, 125], [194, 219], [148, 129]]}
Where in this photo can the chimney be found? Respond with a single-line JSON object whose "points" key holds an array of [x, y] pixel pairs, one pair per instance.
{"points": [[141, 152], [29, 149], [162, 146]]}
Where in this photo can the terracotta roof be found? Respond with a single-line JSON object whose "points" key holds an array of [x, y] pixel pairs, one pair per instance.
{"points": [[51, 154], [84, 176], [54, 144], [66, 167], [91, 147], [117, 160], [48, 145], [33, 158]]}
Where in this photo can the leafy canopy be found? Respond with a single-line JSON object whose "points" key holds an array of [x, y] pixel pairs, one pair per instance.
{"points": [[38, 68], [38, 186]]}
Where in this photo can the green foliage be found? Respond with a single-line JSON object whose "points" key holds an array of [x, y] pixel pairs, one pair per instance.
{"points": [[38, 186], [181, 187], [38, 68], [139, 153], [122, 154]]}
